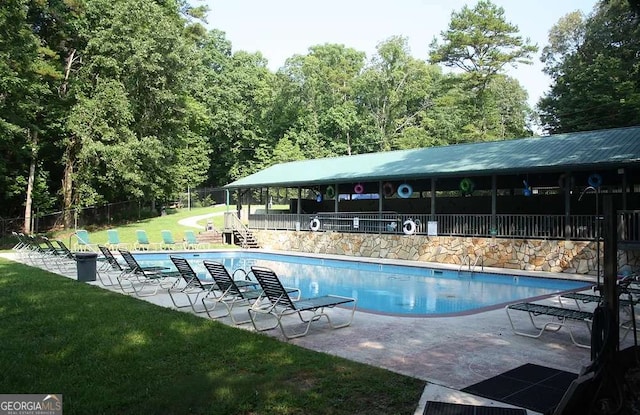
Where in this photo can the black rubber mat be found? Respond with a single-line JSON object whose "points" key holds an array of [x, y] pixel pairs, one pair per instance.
{"points": [[442, 408], [530, 386]]}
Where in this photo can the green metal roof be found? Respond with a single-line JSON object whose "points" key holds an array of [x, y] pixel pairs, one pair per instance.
{"points": [[562, 152]]}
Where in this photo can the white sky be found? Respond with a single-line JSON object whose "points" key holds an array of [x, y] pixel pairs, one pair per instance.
{"points": [[280, 29]]}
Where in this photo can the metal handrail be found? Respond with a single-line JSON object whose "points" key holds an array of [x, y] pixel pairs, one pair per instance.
{"points": [[238, 226]]}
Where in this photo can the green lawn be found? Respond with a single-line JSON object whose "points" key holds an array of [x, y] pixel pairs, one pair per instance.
{"points": [[109, 353], [152, 226]]}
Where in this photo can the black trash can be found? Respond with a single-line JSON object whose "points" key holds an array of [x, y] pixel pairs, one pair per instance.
{"points": [[86, 264]]}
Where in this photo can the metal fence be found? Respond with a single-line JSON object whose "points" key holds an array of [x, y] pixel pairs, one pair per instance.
{"points": [[575, 227]]}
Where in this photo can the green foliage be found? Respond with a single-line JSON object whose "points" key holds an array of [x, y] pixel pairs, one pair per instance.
{"points": [[595, 68]]}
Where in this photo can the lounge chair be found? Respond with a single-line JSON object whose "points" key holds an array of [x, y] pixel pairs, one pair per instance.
{"points": [[193, 285], [191, 241], [82, 241], [167, 240], [625, 304], [276, 302], [111, 266], [140, 277], [563, 316], [142, 242], [232, 291], [114, 240]]}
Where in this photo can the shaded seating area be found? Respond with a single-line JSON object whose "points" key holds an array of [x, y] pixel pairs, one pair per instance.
{"points": [[278, 304], [560, 317]]}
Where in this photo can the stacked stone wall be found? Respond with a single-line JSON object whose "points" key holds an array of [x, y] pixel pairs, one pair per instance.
{"points": [[577, 257]]}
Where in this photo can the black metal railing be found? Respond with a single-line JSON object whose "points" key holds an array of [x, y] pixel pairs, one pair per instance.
{"points": [[575, 227]]}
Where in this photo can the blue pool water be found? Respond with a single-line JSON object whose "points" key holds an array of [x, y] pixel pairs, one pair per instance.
{"points": [[384, 288]]}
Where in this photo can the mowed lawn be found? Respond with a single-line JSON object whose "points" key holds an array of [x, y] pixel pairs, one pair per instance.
{"points": [[108, 353]]}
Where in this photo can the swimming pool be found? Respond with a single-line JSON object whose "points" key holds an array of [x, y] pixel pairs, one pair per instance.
{"points": [[384, 288]]}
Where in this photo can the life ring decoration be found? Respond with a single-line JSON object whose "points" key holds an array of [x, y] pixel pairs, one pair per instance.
{"points": [[595, 180], [527, 189], [466, 186], [314, 224], [405, 190], [409, 227], [358, 188], [388, 189], [330, 192]]}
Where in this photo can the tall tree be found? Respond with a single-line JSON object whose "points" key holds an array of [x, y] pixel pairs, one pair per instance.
{"points": [[595, 69], [395, 94], [481, 43], [29, 71]]}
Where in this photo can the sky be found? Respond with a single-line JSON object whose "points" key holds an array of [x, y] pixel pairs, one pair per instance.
{"points": [[280, 29]]}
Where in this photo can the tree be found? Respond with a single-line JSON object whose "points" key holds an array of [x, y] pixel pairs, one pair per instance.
{"points": [[396, 92], [28, 73], [595, 69], [481, 43]]}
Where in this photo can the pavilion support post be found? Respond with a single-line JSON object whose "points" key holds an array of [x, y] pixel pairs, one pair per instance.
{"points": [[494, 203], [567, 205], [337, 197], [299, 207], [380, 197], [433, 198]]}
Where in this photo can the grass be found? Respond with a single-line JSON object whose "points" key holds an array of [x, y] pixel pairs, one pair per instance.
{"points": [[113, 354], [152, 226]]}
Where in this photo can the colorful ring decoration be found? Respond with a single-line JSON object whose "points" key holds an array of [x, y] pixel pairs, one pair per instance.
{"points": [[330, 192], [405, 191], [358, 188], [409, 227], [388, 190], [595, 180], [527, 189], [466, 186], [314, 224]]}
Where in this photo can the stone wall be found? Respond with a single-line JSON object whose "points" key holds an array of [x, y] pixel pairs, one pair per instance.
{"points": [[578, 257]]}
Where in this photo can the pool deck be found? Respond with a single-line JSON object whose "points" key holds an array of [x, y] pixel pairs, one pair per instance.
{"points": [[449, 353]]}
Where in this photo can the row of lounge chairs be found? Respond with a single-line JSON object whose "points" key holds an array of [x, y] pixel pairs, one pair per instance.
{"points": [[571, 309], [268, 302], [83, 242], [259, 289]]}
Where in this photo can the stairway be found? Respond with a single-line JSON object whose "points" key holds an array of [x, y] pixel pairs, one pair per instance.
{"points": [[245, 239]]}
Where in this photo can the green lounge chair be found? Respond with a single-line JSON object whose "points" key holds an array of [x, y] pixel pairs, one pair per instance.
{"points": [[191, 241], [561, 317], [276, 302], [167, 240], [114, 240], [82, 241], [142, 242]]}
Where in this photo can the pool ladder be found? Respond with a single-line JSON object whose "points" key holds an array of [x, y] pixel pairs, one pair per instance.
{"points": [[472, 268]]}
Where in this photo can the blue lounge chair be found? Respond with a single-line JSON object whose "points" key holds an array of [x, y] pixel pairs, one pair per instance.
{"points": [[276, 302]]}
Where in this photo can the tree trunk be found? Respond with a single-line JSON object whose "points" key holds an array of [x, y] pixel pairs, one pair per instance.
{"points": [[32, 173], [67, 185]]}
